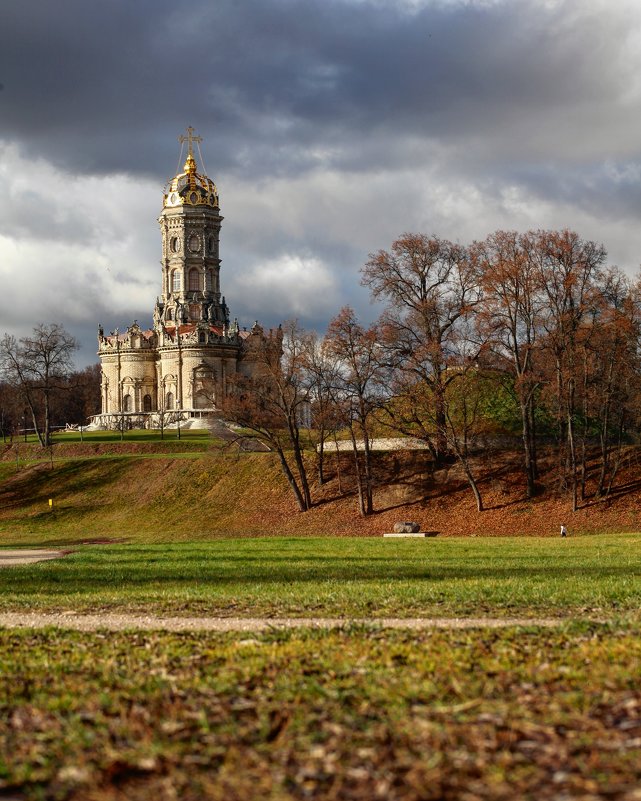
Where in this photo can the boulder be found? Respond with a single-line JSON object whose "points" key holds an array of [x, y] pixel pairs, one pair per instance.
{"points": [[407, 527]]}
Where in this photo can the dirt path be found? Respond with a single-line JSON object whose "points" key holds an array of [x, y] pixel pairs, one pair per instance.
{"points": [[121, 622], [26, 556]]}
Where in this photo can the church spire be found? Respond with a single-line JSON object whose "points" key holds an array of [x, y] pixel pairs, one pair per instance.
{"points": [[190, 224], [190, 139], [190, 163], [190, 187]]}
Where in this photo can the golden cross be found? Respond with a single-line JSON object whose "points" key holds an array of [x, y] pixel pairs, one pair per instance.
{"points": [[190, 139]]}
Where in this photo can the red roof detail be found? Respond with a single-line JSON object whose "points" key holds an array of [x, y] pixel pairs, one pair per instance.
{"points": [[187, 328]]}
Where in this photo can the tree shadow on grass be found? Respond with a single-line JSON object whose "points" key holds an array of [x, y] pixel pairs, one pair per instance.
{"points": [[146, 567], [40, 483], [617, 492]]}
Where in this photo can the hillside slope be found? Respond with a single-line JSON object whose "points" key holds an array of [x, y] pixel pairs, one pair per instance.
{"points": [[140, 494]]}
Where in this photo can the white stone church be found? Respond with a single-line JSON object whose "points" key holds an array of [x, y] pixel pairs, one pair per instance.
{"points": [[178, 368]]}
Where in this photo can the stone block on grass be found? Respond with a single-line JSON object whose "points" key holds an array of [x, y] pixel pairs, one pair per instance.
{"points": [[407, 527]]}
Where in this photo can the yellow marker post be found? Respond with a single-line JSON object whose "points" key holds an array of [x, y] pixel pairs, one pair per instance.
{"points": [[51, 504]]}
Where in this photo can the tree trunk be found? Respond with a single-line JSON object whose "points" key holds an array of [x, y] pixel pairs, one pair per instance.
{"points": [[359, 476], [584, 437], [527, 452], [300, 467], [605, 463], [604, 437], [441, 436], [35, 423], [572, 449], [338, 466], [474, 486], [321, 459], [369, 500], [46, 434], [561, 438], [300, 499], [462, 454], [533, 444], [617, 461]]}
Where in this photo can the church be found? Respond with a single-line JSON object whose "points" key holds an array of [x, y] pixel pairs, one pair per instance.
{"points": [[178, 369]]}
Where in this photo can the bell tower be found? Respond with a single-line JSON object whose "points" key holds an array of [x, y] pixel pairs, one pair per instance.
{"points": [[179, 369], [190, 227]]}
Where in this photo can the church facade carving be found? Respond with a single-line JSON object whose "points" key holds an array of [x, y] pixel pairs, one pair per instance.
{"points": [[181, 365]]}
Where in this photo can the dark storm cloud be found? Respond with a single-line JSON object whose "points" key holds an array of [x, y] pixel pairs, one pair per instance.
{"points": [[286, 85], [331, 127]]}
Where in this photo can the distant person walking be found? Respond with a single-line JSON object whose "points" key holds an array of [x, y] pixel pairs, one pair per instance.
{"points": [[564, 531]]}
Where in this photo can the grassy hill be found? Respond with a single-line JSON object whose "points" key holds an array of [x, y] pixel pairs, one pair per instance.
{"points": [[148, 490]]}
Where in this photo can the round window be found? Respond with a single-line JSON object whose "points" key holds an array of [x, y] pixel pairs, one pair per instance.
{"points": [[194, 243], [211, 244], [174, 244]]}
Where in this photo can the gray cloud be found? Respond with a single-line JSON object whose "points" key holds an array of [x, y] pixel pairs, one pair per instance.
{"points": [[330, 126], [275, 82]]}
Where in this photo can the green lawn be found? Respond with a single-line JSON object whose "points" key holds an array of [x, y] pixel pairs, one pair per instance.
{"points": [[598, 576], [352, 714], [134, 435], [62, 436]]}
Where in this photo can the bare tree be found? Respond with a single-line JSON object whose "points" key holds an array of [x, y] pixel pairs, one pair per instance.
{"points": [[430, 285], [81, 398], [609, 369], [571, 273], [11, 406], [39, 366], [323, 375], [511, 317], [273, 399], [360, 390], [464, 415]]}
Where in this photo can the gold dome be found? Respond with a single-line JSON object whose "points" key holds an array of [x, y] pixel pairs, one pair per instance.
{"points": [[190, 188]]}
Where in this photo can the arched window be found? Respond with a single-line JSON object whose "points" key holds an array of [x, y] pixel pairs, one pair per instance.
{"points": [[169, 400], [170, 315], [126, 403], [194, 279], [146, 403], [175, 281]]}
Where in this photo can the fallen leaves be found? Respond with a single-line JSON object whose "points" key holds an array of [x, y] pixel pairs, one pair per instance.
{"points": [[321, 715]]}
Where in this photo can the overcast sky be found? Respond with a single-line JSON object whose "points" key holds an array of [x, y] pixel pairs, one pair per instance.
{"points": [[330, 128]]}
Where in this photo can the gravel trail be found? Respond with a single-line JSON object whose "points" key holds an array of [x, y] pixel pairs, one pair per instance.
{"points": [[25, 556], [122, 622]]}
